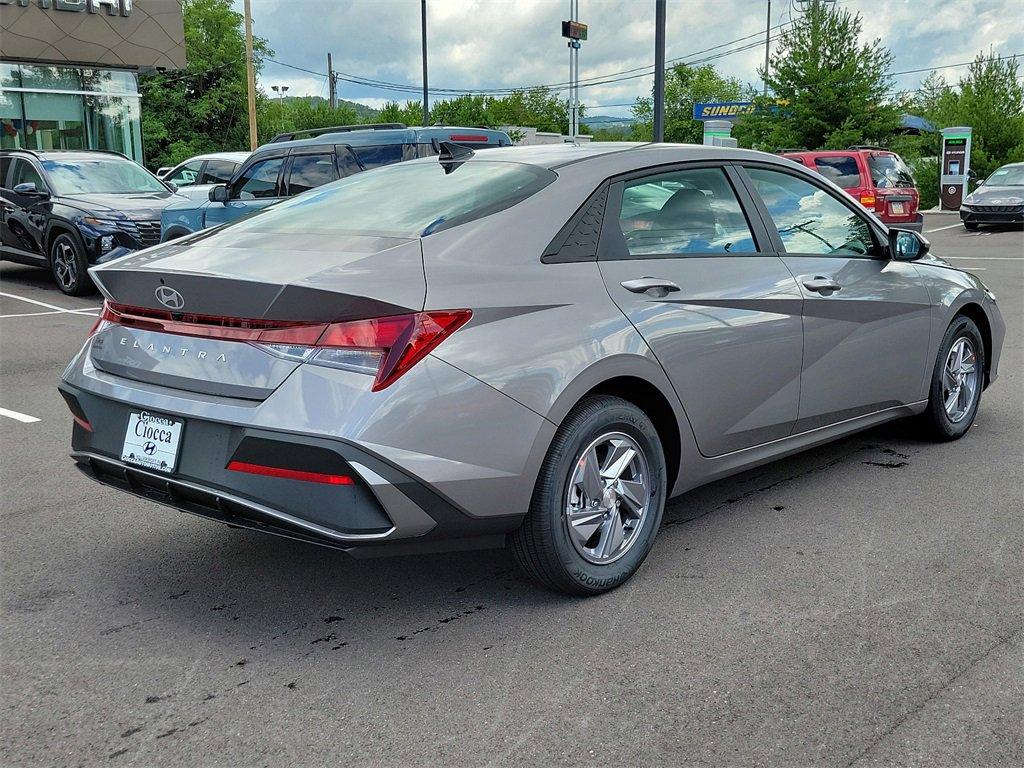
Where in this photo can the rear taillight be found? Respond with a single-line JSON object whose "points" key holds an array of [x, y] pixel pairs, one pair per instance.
{"points": [[867, 200], [383, 347], [386, 347]]}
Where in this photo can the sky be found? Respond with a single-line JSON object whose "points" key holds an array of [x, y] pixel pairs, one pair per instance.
{"points": [[481, 44]]}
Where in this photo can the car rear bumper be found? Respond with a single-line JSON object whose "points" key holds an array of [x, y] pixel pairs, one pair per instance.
{"points": [[423, 477], [1013, 216], [915, 225]]}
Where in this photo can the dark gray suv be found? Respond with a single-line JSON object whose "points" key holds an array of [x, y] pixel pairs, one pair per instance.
{"points": [[531, 347]]}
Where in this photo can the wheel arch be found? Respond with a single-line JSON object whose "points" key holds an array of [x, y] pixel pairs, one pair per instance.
{"points": [[59, 227], [976, 313]]}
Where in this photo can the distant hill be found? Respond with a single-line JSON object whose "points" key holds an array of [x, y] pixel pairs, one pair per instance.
{"points": [[364, 112], [608, 121]]}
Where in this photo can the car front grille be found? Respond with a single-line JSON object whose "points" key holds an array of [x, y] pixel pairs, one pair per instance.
{"points": [[997, 208], [146, 232]]}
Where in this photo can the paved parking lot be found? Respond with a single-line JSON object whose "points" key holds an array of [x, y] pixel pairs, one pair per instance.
{"points": [[857, 605]]}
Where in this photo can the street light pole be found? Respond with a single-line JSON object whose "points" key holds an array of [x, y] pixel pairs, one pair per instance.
{"points": [[250, 75], [423, 19], [767, 44], [659, 70]]}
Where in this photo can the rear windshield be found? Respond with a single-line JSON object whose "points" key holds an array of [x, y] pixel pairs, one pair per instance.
{"points": [[402, 200], [889, 171]]}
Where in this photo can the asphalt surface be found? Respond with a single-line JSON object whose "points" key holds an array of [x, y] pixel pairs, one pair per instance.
{"points": [[857, 605]]}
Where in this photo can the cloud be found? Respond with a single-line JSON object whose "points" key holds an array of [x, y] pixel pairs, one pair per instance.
{"points": [[478, 44]]}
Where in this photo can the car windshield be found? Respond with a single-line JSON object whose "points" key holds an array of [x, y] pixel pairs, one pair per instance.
{"points": [[889, 171], [99, 175], [403, 200], [1007, 176]]}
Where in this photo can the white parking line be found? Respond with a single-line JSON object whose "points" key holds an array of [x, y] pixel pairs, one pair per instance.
{"points": [[939, 229], [18, 416], [55, 309], [985, 258], [83, 313]]}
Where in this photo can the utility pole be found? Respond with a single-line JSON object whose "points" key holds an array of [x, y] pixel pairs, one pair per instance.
{"points": [[250, 74], [767, 44], [332, 84], [659, 70], [423, 19]]}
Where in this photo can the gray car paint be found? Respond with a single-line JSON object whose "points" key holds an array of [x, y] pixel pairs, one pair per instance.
{"points": [[749, 367]]}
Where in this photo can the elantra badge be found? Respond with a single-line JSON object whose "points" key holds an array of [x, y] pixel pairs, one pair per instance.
{"points": [[169, 297]]}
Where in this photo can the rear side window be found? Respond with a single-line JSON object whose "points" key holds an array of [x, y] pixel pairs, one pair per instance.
{"points": [[889, 171], [259, 179], [384, 154], [186, 174], [218, 171], [683, 212], [309, 171], [5, 165], [841, 171], [809, 219], [401, 200]]}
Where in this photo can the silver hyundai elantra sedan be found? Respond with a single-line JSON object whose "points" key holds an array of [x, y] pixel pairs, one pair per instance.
{"points": [[531, 347]]}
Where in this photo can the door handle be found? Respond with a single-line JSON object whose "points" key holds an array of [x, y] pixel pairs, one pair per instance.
{"points": [[823, 285], [659, 286]]}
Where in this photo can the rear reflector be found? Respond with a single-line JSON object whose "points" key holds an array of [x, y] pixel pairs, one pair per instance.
{"points": [[289, 474]]}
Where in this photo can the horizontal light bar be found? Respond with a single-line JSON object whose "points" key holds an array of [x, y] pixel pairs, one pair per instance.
{"points": [[289, 474]]}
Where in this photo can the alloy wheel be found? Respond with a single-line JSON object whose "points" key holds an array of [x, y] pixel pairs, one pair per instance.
{"points": [[65, 265], [960, 379], [608, 498]]}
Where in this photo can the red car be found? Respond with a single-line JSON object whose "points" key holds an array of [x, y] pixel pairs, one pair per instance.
{"points": [[876, 178]]}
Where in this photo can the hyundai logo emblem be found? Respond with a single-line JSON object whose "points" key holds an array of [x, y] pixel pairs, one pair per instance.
{"points": [[169, 297]]}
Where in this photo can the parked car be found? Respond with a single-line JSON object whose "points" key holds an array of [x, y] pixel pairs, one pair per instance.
{"points": [[65, 210], [876, 178], [299, 161], [195, 176], [533, 347], [997, 200]]}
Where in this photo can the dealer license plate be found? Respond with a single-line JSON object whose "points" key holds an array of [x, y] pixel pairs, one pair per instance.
{"points": [[897, 209], [151, 441]]}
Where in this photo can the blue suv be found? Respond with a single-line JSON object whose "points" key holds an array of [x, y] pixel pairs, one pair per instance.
{"points": [[292, 163]]}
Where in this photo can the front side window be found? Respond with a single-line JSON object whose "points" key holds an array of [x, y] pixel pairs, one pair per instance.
{"points": [[100, 174], [841, 171], [681, 212], [186, 174], [259, 179], [218, 171], [809, 219], [25, 173], [309, 171]]}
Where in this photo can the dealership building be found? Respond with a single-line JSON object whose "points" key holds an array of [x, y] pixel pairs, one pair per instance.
{"points": [[69, 70]]}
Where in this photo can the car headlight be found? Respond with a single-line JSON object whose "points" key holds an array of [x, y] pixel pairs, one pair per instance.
{"points": [[94, 221], [969, 199], [1014, 200]]}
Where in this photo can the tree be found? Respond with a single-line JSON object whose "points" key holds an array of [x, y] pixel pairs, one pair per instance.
{"points": [[685, 86], [295, 113], [829, 90], [204, 107], [990, 98]]}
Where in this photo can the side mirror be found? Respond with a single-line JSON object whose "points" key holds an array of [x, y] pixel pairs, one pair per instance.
{"points": [[172, 186], [28, 189], [218, 193], [905, 245]]}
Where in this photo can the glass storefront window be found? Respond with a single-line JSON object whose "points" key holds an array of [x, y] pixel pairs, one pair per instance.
{"points": [[54, 121], [35, 117], [11, 120], [50, 78]]}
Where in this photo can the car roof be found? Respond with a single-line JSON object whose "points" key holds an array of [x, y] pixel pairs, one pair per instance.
{"points": [[236, 156], [67, 154], [554, 156], [378, 136]]}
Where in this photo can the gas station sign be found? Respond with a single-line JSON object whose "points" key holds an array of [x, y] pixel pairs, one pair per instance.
{"points": [[574, 30], [956, 162]]}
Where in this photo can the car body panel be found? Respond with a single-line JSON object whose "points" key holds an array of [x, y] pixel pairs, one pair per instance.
{"points": [[461, 437]]}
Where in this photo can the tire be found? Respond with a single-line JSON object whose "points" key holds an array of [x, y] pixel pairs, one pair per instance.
{"points": [[591, 558], [970, 226], [939, 421], [69, 267]]}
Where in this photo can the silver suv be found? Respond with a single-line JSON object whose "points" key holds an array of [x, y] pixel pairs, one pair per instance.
{"points": [[532, 347]]}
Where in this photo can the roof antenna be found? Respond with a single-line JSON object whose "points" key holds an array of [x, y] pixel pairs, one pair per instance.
{"points": [[452, 155]]}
